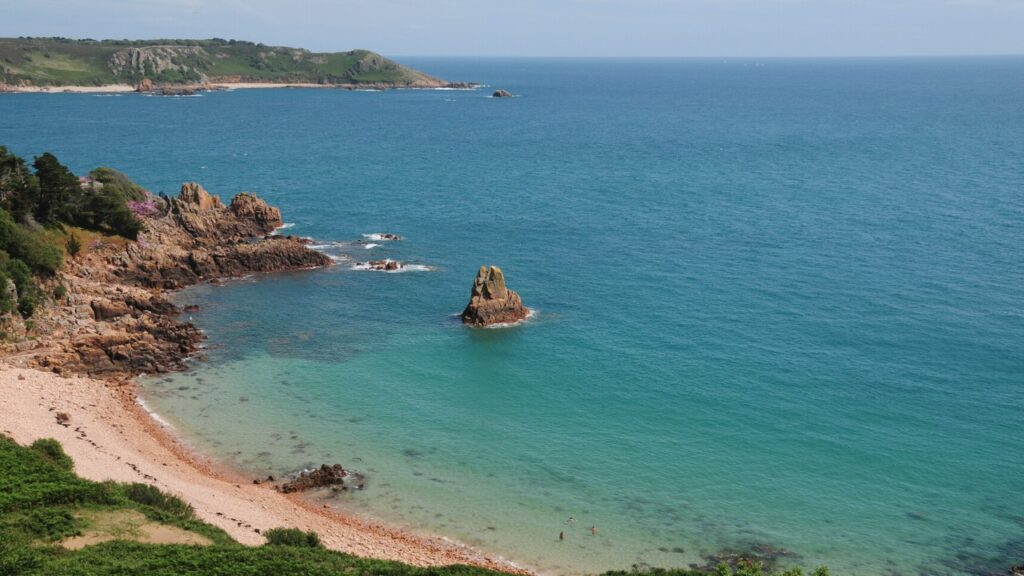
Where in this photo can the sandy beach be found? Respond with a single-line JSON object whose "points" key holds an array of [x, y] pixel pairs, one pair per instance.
{"points": [[110, 437]]}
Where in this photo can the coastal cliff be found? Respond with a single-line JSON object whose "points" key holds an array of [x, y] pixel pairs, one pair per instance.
{"points": [[114, 319], [491, 301], [156, 65]]}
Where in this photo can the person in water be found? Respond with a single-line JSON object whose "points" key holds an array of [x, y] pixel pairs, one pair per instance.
{"points": [[593, 530], [561, 535]]}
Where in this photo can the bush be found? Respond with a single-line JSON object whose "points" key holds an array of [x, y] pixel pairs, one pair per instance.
{"points": [[28, 291], [52, 451], [30, 247], [73, 245], [118, 184], [149, 495], [292, 537]]}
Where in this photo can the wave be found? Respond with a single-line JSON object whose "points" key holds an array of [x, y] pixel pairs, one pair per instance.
{"points": [[153, 415], [371, 246], [530, 313], [382, 236], [325, 245], [365, 266], [284, 226]]}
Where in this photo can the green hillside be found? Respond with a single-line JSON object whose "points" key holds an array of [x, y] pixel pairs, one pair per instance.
{"points": [[66, 62]]}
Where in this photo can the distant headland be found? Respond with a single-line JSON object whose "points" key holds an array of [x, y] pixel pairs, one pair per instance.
{"points": [[172, 66]]}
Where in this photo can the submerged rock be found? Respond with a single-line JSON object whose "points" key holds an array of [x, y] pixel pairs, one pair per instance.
{"points": [[501, 94], [382, 265], [491, 302], [319, 478]]}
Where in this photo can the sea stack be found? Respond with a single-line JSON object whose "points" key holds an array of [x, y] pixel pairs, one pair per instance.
{"points": [[491, 302]]}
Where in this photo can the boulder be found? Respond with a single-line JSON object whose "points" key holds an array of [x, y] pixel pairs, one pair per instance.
{"points": [[248, 207], [382, 265], [501, 94], [146, 85], [108, 310], [319, 478], [193, 193], [491, 302]]}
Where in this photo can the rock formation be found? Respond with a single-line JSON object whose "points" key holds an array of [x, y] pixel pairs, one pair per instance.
{"points": [[501, 94], [491, 302], [200, 239], [114, 322], [319, 478], [382, 265]]}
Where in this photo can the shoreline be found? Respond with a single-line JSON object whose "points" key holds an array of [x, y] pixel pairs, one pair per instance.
{"points": [[224, 86], [104, 440], [115, 323]]}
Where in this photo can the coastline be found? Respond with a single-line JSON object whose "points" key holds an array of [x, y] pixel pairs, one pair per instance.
{"points": [[115, 323], [110, 436], [218, 86]]}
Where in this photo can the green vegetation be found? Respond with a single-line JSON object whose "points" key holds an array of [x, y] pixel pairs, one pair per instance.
{"points": [[63, 62], [292, 537], [43, 502], [40, 208]]}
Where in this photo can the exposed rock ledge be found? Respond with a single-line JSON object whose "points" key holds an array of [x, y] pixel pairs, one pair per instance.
{"points": [[116, 322], [491, 302]]}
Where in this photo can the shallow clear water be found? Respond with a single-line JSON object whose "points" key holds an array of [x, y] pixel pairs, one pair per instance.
{"points": [[780, 302]]}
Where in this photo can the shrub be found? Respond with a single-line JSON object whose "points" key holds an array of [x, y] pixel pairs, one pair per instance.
{"points": [[30, 247], [52, 451], [292, 537], [149, 495], [73, 245]]}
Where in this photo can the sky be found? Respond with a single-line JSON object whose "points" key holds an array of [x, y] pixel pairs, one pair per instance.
{"points": [[696, 28]]}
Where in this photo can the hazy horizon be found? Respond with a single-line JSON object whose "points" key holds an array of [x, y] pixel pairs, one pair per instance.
{"points": [[557, 28]]}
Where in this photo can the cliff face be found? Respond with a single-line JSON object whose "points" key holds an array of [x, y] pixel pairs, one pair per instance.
{"points": [[115, 321], [491, 302], [199, 238], [185, 62]]}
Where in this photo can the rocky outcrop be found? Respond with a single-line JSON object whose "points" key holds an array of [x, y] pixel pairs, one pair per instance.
{"points": [[194, 194], [248, 207], [501, 94], [160, 61], [115, 323], [491, 302], [108, 310], [319, 478], [381, 265], [200, 239]]}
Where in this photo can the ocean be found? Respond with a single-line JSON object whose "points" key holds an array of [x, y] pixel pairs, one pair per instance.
{"points": [[779, 303]]}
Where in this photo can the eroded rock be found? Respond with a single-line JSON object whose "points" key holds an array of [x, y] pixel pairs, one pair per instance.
{"points": [[491, 302], [319, 478]]}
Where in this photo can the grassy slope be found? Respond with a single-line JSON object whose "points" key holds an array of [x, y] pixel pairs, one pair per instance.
{"points": [[57, 62]]}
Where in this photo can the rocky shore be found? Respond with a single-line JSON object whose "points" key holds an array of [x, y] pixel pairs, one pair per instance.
{"points": [[115, 320], [71, 377]]}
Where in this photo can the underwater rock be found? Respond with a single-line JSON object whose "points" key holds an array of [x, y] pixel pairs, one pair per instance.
{"points": [[319, 478]]}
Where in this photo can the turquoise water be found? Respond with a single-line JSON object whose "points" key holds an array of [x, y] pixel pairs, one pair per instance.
{"points": [[779, 302]]}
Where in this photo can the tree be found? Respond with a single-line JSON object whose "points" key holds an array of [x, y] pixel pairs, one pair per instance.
{"points": [[59, 191], [19, 188]]}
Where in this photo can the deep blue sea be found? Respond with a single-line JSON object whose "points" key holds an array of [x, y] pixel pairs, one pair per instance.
{"points": [[780, 303]]}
